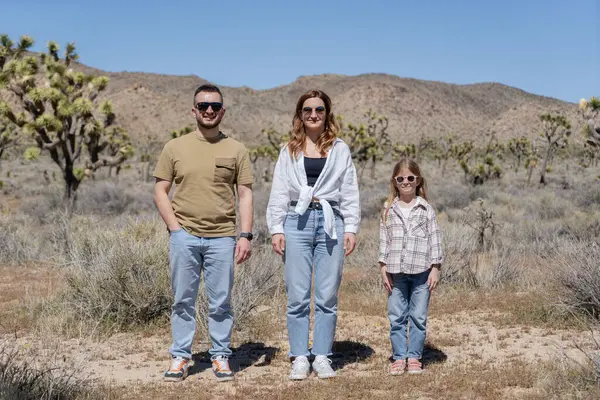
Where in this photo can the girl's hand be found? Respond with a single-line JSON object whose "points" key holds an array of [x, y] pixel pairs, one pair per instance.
{"points": [[278, 242], [387, 279], [434, 277], [349, 242]]}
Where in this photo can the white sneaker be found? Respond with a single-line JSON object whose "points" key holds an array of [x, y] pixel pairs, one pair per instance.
{"points": [[322, 367], [300, 368]]}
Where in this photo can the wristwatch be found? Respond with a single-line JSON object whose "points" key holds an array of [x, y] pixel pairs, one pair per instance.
{"points": [[247, 235]]}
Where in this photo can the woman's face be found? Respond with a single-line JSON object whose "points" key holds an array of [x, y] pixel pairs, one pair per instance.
{"points": [[313, 114], [406, 182]]}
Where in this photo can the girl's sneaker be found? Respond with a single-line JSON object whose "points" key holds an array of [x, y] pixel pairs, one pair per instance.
{"points": [[414, 366], [300, 368], [178, 370], [398, 367], [322, 367]]}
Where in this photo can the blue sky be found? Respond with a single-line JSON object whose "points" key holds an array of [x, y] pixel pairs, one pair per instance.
{"points": [[549, 47]]}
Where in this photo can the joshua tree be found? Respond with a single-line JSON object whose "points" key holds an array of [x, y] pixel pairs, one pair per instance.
{"points": [[555, 129], [183, 131], [149, 148], [368, 143], [443, 150], [410, 150], [520, 148], [267, 152], [590, 111], [423, 145], [61, 112], [8, 137]]}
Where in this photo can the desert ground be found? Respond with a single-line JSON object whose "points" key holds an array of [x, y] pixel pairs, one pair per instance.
{"points": [[84, 302]]}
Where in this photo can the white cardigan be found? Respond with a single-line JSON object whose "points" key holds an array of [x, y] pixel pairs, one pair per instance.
{"points": [[337, 182]]}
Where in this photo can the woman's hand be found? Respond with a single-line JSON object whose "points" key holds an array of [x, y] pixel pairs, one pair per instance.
{"points": [[278, 242], [387, 278], [434, 277], [349, 242]]}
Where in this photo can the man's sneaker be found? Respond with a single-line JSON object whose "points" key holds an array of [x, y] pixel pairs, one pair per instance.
{"points": [[398, 367], [300, 368], [220, 367], [414, 366], [322, 367], [178, 370]]}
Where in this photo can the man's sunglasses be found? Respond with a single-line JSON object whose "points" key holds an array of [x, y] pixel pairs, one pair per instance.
{"points": [[309, 110], [410, 178], [203, 106]]}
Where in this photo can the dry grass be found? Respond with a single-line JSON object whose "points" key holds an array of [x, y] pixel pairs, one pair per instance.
{"points": [[541, 262], [21, 380]]}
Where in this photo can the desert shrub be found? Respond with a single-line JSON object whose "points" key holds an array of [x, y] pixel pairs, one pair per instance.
{"points": [[43, 206], [576, 274], [119, 277], [466, 265], [450, 196], [21, 381], [586, 195], [20, 242], [549, 207], [110, 198], [101, 198]]}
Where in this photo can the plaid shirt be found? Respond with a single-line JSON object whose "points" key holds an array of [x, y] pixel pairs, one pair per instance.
{"points": [[412, 246]]}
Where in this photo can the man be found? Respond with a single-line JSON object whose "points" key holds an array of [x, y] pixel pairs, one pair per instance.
{"points": [[205, 165]]}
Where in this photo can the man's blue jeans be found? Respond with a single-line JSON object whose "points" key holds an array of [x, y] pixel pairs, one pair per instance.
{"points": [[190, 254], [307, 246]]}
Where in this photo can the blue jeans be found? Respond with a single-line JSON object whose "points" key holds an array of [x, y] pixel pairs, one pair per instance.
{"points": [[409, 301], [188, 255], [307, 246]]}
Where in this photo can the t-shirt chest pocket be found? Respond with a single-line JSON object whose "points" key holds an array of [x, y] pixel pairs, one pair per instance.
{"points": [[224, 169]]}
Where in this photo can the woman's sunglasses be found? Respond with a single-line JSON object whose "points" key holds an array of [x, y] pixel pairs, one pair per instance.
{"points": [[203, 106], [309, 110], [410, 178]]}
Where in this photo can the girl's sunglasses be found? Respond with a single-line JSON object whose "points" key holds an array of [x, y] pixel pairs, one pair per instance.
{"points": [[202, 107], [410, 178]]}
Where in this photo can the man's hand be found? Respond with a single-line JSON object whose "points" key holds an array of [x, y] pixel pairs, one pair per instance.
{"points": [[242, 250], [349, 242], [173, 228], [278, 243]]}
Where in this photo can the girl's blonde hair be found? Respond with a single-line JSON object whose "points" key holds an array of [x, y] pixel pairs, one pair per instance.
{"points": [[413, 167], [297, 141]]}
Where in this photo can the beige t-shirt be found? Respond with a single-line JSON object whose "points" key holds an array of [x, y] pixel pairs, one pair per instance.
{"points": [[205, 172]]}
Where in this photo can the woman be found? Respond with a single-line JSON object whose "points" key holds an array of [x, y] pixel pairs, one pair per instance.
{"points": [[313, 216]]}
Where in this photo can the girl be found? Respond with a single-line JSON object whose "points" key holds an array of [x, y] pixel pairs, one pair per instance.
{"points": [[313, 216], [410, 256]]}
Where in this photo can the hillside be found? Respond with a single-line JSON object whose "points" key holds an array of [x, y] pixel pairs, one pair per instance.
{"points": [[153, 104]]}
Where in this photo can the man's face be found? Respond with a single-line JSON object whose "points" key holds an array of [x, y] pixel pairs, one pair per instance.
{"points": [[208, 109]]}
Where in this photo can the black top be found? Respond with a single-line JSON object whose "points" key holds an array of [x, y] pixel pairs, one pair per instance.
{"points": [[313, 168]]}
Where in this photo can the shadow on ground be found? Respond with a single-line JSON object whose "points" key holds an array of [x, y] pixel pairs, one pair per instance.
{"points": [[349, 352], [244, 356]]}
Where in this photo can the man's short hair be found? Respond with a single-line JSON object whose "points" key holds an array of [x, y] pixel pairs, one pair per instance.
{"points": [[207, 88]]}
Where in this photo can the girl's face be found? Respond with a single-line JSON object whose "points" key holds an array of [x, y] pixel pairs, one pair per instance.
{"points": [[407, 182]]}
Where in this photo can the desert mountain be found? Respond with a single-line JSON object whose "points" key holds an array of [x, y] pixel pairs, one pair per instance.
{"points": [[153, 105]]}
